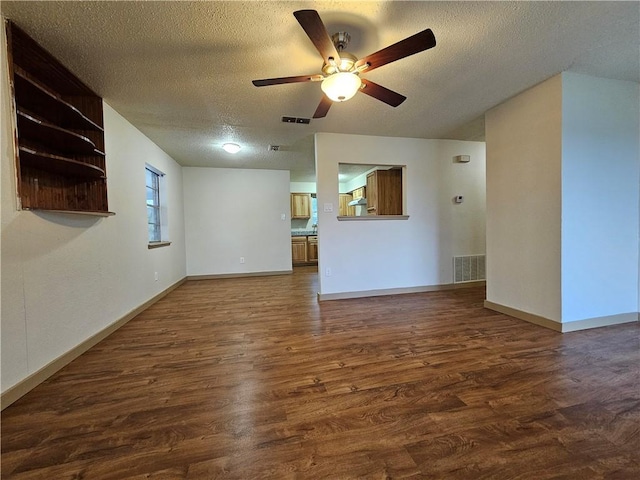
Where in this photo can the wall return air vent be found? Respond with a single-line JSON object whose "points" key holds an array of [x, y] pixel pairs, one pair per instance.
{"points": [[469, 268]]}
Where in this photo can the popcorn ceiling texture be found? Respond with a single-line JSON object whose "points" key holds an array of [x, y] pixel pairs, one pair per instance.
{"points": [[181, 71]]}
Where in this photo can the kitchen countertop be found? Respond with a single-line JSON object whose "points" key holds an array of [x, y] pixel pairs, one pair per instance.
{"points": [[303, 233]]}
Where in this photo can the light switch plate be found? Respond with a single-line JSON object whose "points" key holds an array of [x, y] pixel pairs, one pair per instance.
{"points": [[328, 207]]}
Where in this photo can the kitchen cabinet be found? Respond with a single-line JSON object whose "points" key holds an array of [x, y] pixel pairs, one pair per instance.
{"points": [[304, 250], [299, 250], [312, 249], [359, 193], [384, 192], [60, 159], [300, 205], [345, 209]]}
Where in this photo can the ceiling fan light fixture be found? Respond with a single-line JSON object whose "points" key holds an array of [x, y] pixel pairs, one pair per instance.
{"points": [[341, 86], [231, 147]]}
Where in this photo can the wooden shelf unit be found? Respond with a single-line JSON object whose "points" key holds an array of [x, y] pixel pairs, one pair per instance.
{"points": [[56, 139], [60, 159], [55, 163], [39, 99]]}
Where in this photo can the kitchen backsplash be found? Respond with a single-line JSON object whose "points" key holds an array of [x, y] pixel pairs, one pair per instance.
{"points": [[301, 224]]}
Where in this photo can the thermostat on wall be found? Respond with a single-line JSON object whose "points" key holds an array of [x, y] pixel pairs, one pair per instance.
{"points": [[463, 158]]}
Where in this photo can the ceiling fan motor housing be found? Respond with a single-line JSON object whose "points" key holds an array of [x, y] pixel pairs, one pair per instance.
{"points": [[347, 61], [341, 40]]}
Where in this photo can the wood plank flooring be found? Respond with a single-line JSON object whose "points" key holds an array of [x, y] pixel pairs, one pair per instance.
{"points": [[253, 378]]}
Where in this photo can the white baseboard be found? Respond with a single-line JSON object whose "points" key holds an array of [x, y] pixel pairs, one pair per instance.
{"points": [[29, 383], [526, 316], [398, 291], [587, 323], [598, 322], [239, 275]]}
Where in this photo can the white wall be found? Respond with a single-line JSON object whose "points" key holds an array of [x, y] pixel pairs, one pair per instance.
{"points": [[232, 213], [66, 277], [563, 169], [302, 187], [356, 182], [418, 252], [600, 195], [524, 152]]}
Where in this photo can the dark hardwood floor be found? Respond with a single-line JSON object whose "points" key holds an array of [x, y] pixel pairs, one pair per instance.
{"points": [[253, 378]]}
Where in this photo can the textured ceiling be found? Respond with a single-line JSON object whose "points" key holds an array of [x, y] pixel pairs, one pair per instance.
{"points": [[181, 71]]}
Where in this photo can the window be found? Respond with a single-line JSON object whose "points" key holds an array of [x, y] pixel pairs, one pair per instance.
{"points": [[370, 192], [314, 210], [154, 210]]}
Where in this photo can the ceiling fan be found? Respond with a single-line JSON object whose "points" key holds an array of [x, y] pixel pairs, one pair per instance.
{"points": [[341, 71]]}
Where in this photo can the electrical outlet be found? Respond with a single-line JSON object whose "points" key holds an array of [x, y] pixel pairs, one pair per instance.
{"points": [[241, 259], [327, 272]]}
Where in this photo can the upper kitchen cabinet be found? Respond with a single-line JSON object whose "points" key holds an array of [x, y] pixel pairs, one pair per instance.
{"points": [[300, 205], [384, 192], [359, 193], [60, 159], [345, 210]]}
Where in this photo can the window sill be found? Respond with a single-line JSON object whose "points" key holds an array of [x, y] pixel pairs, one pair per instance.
{"points": [[367, 218], [153, 245]]}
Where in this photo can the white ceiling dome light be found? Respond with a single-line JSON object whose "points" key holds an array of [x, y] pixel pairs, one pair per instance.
{"points": [[231, 147], [341, 86]]}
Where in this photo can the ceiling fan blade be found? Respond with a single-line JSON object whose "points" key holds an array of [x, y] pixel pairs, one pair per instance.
{"points": [[278, 81], [323, 107], [414, 44], [311, 23], [382, 93]]}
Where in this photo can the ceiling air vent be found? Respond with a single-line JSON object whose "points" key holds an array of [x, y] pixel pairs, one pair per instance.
{"points": [[274, 148], [304, 121]]}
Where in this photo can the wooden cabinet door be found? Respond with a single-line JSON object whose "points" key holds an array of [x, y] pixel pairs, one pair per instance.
{"points": [[298, 250], [345, 209], [384, 192], [389, 198], [359, 193], [312, 249], [372, 193], [300, 205]]}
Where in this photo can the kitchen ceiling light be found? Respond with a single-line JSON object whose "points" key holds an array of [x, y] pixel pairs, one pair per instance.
{"points": [[341, 86], [231, 147]]}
